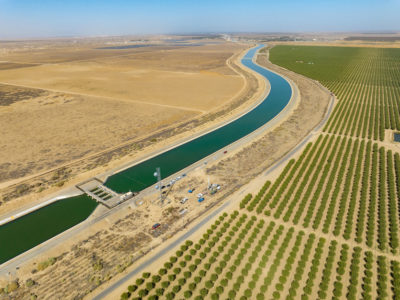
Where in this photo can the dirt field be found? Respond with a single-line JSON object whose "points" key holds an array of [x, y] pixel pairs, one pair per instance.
{"points": [[68, 108]]}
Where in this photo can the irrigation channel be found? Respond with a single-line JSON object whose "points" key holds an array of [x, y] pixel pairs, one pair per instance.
{"points": [[34, 228]]}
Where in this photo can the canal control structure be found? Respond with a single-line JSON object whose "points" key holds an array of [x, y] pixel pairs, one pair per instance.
{"points": [[95, 189]]}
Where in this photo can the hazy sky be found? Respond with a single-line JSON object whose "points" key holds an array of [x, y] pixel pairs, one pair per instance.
{"points": [[43, 18]]}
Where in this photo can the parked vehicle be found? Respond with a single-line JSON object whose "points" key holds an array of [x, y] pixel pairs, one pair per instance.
{"points": [[126, 196], [183, 201], [155, 226]]}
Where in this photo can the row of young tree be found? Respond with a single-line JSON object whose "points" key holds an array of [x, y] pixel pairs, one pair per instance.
{"points": [[366, 83], [245, 257], [345, 186]]}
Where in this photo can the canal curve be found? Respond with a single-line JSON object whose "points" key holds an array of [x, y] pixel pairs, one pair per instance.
{"points": [[34, 228], [141, 176]]}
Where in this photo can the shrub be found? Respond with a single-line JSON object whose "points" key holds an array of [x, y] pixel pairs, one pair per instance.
{"points": [[232, 294], [209, 284], [276, 295], [188, 257], [248, 293], [132, 288], [160, 291], [150, 285], [214, 277], [29, 283], [204, 292], [220, 289], [187, 294], [44, 264], [142, 293], [192, 286]]}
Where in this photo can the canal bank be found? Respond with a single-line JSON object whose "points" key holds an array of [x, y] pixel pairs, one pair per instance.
{"points": [[268, 113]]}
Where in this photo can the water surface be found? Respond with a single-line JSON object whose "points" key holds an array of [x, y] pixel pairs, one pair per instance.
{"points": [[32, 229]]}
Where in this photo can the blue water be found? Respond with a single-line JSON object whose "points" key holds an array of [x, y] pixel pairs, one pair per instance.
{"points": [[141, 176]]}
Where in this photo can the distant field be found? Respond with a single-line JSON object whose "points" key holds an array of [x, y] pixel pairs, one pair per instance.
{"points": [[373, 38], [365, 80]]}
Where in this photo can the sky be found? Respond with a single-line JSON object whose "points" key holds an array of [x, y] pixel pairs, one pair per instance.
{"points": [[59, 18]]}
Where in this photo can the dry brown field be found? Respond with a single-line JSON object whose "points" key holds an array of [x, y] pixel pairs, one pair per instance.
{"points": [[64, 101]]}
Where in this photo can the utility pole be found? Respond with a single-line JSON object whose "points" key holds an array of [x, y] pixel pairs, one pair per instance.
{"points": [[157, 174]]}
